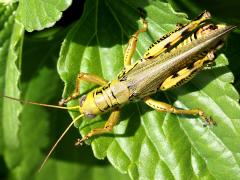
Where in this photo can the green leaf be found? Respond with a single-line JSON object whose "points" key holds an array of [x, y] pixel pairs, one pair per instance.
{"points": [[218, 146], [38, 87], [40, 127], [72, 171], [66, 157], [11, 36], [38, 14], [149, 144], [7, 2]]}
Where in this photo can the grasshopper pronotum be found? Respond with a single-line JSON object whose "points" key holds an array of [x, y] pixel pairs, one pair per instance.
{"points": [[169, 62]]}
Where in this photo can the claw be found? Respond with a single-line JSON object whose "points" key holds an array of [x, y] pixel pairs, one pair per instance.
{"points": [[205, 124], [79, 142], [208, 121], [62, 102]]}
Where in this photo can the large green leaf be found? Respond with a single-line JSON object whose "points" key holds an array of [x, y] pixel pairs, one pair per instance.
{"points": [[11, 36], [149, 144], [39, 14], [40, 127], [66, 158]]}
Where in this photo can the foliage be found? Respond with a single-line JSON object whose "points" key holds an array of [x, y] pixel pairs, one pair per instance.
{"points": [[145, 144]]}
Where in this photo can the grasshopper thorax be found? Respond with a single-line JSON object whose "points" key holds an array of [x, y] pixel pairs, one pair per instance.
{"points": [[105, 98]]}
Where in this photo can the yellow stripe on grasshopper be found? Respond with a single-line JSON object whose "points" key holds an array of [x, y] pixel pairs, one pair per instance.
{"points": [[186, 74], [172, 38]]}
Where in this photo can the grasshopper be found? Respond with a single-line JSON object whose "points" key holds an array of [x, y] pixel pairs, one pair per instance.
{"points": [[169, 62]]}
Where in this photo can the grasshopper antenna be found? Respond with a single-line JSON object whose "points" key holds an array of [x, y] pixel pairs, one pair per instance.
{"points": [[52, 106], [59, 139], [41, 104]]}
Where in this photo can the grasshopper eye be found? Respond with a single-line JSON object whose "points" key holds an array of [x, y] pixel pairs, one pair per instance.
{"points": [[82, 99]]}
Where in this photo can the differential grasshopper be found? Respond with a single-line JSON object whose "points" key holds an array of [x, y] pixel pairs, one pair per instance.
{"points": [[169, 62]]}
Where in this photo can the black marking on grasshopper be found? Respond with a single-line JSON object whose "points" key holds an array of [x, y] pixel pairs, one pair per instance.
{"points": [[107, 107], [190, 66], [124, 78], [164, 37], [132, 96], [98, 92], [113, 95], [187, 78], [200, 15], [195, 35], [167, 46], [212, 27], [175, 75], [149, 57], [185, 33], [105, 87]]}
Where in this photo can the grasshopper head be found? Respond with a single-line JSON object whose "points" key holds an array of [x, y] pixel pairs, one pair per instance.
{"points": [[87, 106]]}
